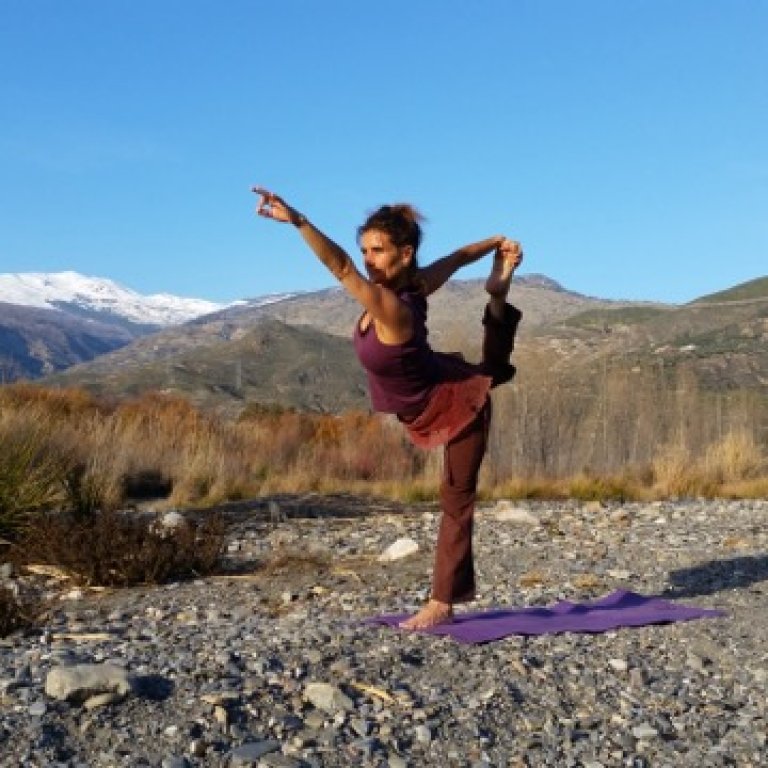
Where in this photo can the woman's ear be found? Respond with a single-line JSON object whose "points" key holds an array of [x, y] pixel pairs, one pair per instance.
{"points": [[406, 253]]}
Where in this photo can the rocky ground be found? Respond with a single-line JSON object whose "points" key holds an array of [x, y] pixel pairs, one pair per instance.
{"points": [[269, 665]]}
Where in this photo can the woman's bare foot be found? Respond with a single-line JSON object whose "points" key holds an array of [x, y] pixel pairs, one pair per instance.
{"points": [[432, 614], [506, 259]]}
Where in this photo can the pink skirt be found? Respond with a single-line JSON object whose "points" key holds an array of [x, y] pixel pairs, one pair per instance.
{"points": [[452, 406]]}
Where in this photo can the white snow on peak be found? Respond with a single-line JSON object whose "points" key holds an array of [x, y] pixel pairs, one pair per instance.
{"points": [[97, 294]]}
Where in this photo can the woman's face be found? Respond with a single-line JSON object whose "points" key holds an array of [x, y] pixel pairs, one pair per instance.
{"points": [[384, 261]]}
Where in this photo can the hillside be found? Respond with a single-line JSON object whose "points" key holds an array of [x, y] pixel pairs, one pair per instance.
{"points": [[723, 337], [35, 342], [51, 321], [453, 310], [222, 361], [753, 290], [271, 363], [296, 351]]}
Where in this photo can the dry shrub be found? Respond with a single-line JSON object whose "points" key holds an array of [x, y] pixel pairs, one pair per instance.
{"points": [[589, 487], [410, 493], [15, 613], [673, 473], [359, 446], [734, 458], [746, 489], [64, 447], [295, 562], [529, 488], [733, 461], [32, 468], [95, 479], [113, 549], [57, 404]]}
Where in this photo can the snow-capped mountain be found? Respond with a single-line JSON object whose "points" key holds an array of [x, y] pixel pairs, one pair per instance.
{"points": [[73, 291], [51, 321]]}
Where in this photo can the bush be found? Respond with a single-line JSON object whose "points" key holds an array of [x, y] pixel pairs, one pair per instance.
{"points": [[31, 469], [589, 487], [15, 613], [108, 548]]}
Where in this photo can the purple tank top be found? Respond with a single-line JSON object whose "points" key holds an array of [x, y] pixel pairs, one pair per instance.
{"points": [[401, 377]]}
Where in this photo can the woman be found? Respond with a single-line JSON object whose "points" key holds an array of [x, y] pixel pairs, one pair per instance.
{"points": [[440, 399]]}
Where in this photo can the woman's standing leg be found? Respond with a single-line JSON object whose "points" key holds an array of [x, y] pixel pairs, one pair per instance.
{"points": [[454, 575], [453, 578]]}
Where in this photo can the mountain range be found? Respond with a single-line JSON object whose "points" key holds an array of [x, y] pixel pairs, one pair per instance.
{"points": [[294, 350], [50, 321]]}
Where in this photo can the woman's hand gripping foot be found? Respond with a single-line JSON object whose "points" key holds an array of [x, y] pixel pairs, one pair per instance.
{"points": [[506, 259]]}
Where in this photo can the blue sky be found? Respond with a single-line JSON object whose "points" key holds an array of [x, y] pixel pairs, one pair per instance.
{"points": [[624, 142]]}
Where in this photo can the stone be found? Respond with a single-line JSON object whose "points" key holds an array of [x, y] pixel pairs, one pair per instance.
{"points": [[637, 678], [82, 681], [175, 762], [173, 521], [504, 512], [402, 547], [554, 701], [644, 732], [101, 700], [328, 698], [251, 752], [198, 748]]}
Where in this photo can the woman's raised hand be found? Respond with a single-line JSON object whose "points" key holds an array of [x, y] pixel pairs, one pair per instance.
{"points": [[273, 207]]}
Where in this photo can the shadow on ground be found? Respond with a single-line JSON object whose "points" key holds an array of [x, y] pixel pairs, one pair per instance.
{"points": [[717, 575], [154, 687], [281, 507]]}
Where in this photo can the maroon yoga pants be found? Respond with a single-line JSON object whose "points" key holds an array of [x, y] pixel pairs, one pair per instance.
{"points": [[453, 579]]}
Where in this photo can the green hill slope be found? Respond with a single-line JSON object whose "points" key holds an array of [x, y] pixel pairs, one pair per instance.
{"points": [[753, 290]]}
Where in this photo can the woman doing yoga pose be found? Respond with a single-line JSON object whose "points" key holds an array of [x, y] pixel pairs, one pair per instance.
{"points": [[439, 398]]}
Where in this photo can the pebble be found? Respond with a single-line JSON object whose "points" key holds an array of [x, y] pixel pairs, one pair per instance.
{"points": [[399, 549], [250, 753], [278, 671]]}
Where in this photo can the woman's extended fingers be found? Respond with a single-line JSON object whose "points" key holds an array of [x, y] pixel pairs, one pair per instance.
{"points": [[270, 205], [264, 204]]}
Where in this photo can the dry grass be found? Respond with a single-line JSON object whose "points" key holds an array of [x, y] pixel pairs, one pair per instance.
{"points": [[63, 449], [296, 562], [32, 466], [734, 459], [108, 548], [588, 487]]}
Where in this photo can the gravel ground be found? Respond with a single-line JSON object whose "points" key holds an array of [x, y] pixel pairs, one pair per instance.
{"points": [[269, 665]]}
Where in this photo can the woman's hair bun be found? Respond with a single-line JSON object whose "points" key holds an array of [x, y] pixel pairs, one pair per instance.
{"points": [[407, 211]]}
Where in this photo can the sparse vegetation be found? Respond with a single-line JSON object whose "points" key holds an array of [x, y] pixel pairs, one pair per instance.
{"points": [[114, 549], [15, 612], [753, 289], [614, 433], [608, 317]]}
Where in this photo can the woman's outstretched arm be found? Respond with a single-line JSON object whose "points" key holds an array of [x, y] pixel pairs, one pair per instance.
{"points": [[381, 302], [436, 274]]}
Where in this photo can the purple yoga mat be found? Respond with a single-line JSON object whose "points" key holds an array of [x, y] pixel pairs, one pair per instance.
{"points": [[619, 609]]}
